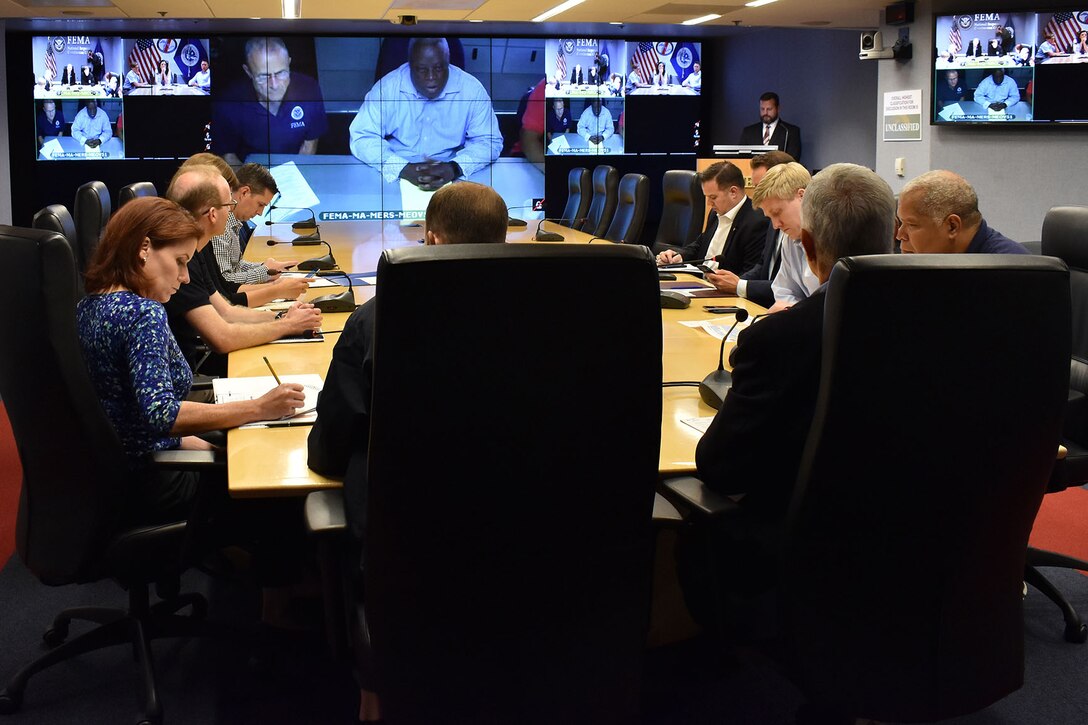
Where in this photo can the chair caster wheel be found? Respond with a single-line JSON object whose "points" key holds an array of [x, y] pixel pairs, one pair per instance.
{"points": [[55, 636], [10, 702], [1076, 634]]}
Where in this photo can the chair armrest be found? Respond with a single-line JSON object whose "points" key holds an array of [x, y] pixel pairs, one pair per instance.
{"points": [[665, 514], [691, 494], [325, 512], [186, 460]]}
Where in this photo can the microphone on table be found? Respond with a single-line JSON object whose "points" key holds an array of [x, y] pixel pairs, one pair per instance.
{"points": [[715, 386], [296, 227], [514, 221], [338, 302], [324, 262], [540, 236]]}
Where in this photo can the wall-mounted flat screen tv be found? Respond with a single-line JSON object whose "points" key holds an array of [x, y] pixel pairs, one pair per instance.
{"points": [[1005, 67]]}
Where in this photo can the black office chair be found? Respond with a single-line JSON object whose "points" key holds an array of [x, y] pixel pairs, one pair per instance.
{"points": [[681, 211], [75, 475], [603, 204], [903, 554], [135, 190], [633, 195], [508, 556], [56, 218], [92, 211], [578, 194], [1065, 235]]}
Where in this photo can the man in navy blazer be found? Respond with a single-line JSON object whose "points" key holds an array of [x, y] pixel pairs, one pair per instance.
{"points": [[755, 284], [772, 130], [735, 231]]}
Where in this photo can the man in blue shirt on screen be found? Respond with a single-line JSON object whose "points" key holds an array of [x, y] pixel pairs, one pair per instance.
{"points": [[92, 126], [997, 91], [276, 112], [426, 122]]}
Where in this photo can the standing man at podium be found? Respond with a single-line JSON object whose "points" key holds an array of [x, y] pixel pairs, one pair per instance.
{"points": [[772, 130]]}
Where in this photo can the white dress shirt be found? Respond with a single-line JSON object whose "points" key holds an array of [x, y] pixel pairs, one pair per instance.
{"points": [[795, 281], [725, 223]]}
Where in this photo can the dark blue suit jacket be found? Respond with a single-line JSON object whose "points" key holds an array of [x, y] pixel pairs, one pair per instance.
{"points": [[759, 278], [743, 247]]}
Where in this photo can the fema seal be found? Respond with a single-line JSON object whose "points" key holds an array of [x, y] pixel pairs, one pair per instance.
{"points": [[297, 113]]}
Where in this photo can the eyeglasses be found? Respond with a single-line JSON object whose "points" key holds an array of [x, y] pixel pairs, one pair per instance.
{"points": [[232, 204], [262, 79]]}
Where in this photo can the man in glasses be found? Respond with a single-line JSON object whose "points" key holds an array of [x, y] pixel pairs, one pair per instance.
{"points": [[276, 111], [197, 311], [938, 214]]}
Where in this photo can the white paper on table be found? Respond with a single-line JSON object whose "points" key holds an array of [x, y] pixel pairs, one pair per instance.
{"points": [[96, 151], [699, 424], [315, 281], [234, 389], [51, 147], [950, 111], [412, 198], [559, 144], [716, 329], [295, 191], [683, 268]]}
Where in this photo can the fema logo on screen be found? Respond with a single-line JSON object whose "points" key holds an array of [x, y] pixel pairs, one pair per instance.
{"points": [[58, 44], [297, 113], [683, 57], [965, 22], [190, 56], [567, 45]]}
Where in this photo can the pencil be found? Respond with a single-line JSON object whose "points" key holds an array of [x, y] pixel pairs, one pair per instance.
{"points": [[273, 371]]}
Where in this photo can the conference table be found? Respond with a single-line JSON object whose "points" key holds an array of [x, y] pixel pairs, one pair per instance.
{"points": [[271, 462], [174, 89]]}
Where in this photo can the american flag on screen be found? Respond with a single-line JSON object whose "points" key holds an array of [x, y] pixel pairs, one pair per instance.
{"points": [[645, 61], [954, 40], [1065, 27], [146, 57], [561, 63], [50, 60]]}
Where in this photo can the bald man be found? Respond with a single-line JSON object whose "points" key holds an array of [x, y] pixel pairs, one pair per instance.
{"points": [[938, 214], [197, 311]]}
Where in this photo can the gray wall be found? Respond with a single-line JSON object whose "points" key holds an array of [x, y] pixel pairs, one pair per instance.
{"points": [[822, 85], [1019, 173]]}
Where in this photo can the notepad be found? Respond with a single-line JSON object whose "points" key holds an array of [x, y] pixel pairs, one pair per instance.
{"points": [[229, 390]]}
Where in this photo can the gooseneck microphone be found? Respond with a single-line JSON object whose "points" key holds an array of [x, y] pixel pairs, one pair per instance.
{"points": [[296, 227], [714, 387], [540, 236], [338, 302], [324, 262], [514, 221]]}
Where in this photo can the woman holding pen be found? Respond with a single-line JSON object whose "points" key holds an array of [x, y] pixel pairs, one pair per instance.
{"points": [[137, 369]]}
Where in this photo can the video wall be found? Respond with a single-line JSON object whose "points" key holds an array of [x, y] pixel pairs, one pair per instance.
{"points": [[364, 127], [1010, 67]]}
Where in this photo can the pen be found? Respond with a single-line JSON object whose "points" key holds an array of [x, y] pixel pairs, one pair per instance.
{"points": [[272, 370]]}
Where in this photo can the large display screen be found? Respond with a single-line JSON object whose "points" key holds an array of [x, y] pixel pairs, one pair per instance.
{"points": [[1010, 67], [366, 128]]}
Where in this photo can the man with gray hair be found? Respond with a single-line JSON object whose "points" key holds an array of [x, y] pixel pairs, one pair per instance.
{"points": [[938, 214], [275, 112], [426, 122], [754, 444]]}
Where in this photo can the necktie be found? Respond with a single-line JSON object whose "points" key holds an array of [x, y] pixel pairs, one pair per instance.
{"points": [[766, 134]]}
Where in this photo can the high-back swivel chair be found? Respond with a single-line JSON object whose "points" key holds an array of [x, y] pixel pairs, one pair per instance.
{"points": [[135, 190], [56, 218], [1065, 235], [603, 204], [681, 210], [507, 554], [579, 191], [92, 212], [633, 197]]}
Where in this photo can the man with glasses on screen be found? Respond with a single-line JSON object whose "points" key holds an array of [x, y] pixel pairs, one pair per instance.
{"points": [[276, 112], [426, 122], [197, 311]]}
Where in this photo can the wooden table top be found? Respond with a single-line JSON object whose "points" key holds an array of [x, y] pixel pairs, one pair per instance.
{"points": [[272, 461]]}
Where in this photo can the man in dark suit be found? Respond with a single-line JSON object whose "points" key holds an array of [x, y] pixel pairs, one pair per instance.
{"points": [[735, 231], [576, 77], [974, 48], [754, 444], [771, 130], [755, 284]]}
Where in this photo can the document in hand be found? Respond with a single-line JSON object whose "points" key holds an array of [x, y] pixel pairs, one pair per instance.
{"points": [[229, 390]]}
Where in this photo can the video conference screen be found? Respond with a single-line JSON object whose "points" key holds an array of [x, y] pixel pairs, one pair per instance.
{"points": [[1010, 67], [363, 128]]}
